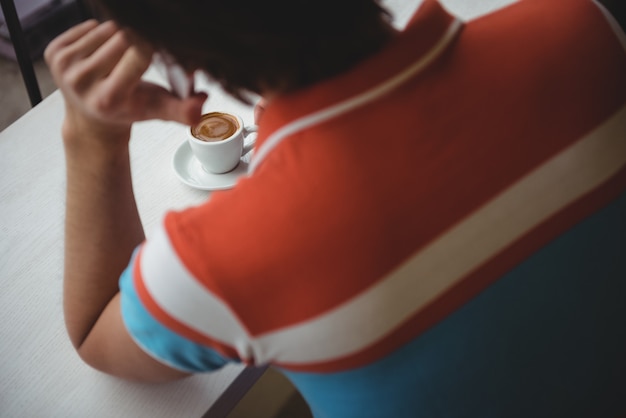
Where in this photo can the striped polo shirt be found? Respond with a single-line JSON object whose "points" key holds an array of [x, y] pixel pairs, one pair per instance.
{"points": [[440, 231]]}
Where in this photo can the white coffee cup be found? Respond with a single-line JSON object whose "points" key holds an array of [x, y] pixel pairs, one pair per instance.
{"points": [[219, 141]]}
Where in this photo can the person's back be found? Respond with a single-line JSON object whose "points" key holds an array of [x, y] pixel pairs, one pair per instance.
{"points": [[462, 230], [438, 230]]}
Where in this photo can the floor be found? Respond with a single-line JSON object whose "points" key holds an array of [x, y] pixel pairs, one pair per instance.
{"points": [[273, 396], [14, 100]]}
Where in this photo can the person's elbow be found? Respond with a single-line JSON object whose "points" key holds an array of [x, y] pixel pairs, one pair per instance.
{"points": [[135, 374], [116, 354]]}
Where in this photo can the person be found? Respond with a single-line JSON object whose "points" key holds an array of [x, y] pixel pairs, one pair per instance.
{"points": [[433, 223]]}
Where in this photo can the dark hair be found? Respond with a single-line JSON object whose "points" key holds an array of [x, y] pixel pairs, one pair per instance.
{"points": [[250, 46]]}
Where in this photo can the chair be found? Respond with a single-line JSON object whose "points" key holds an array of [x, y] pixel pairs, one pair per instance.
{"points": [[21, 51], [21, 47]]}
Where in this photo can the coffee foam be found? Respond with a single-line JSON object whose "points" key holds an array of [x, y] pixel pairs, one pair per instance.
{"points": [[215, 126]]}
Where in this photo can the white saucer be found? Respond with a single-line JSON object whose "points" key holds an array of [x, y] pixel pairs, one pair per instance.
{"points": [[190, 171]]}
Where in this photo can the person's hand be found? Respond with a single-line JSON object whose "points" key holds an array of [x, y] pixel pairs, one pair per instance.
{"points": [[99, 72], [259, 108]]}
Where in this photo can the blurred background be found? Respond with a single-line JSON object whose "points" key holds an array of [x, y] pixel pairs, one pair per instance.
{"points": [[40, 22]]}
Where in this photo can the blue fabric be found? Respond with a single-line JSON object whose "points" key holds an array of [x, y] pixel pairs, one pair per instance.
{"points": [[158, 340], [546, 340]]}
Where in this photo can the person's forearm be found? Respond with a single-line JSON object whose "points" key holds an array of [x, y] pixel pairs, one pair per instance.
{"points": [[102, 227], [100, 71]]}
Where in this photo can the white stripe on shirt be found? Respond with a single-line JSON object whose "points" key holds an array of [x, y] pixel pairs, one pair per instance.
{"points": [[553, 186]]}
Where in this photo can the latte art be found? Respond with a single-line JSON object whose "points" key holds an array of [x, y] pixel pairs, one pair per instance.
{"points": [[215, 126]]}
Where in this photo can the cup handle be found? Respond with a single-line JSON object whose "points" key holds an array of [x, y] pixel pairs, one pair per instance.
{"points": [[249, 143]]}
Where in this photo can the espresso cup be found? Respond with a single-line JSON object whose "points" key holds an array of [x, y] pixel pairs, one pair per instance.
{"points": [[219, 141]]}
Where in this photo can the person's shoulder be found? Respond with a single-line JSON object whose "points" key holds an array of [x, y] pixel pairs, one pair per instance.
{"points": [[617, 9], [564, 20]]}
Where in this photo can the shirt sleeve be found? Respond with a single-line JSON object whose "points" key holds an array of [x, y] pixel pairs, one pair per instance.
{"points": [[157, 339]]}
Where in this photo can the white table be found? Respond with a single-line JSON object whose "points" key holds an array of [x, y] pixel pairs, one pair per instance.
{"points": [[40, 374]]}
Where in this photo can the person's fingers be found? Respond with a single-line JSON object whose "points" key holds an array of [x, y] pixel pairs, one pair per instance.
{"points": [[128, 71], [123, 80], [67, 64], [108, 56], [86, 45], [259, 109], [192, 109], [159, 103], [92, 40], [69, 37], [186, 111]]}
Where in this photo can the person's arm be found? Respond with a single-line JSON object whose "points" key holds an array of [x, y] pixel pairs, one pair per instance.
{"points": [[99, 73]]}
